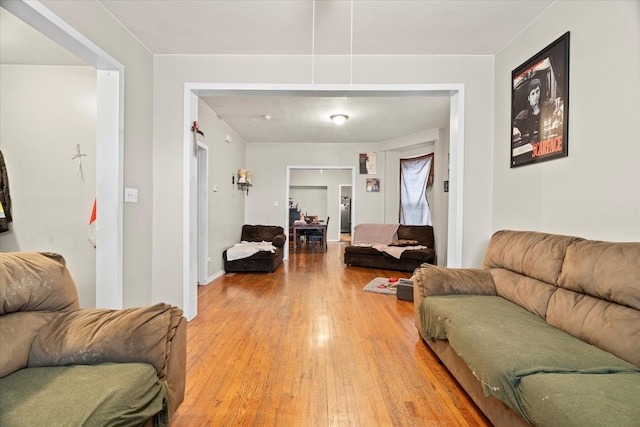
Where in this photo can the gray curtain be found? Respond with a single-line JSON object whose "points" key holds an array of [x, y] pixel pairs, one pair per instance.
{"points": [[415, 175]]}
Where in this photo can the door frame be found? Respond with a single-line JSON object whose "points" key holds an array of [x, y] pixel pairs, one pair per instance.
{"points": [[455, 91], [288, 184], [350, 213], [109, 145]]}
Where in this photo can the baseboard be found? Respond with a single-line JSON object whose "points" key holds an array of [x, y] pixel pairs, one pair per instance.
{"points": [[214, 277]]}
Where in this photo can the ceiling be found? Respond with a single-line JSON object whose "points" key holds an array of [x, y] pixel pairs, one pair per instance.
{"points": [[305, 27]]}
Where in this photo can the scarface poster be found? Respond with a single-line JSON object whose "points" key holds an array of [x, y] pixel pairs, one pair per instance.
{"points": [[540, 106]]}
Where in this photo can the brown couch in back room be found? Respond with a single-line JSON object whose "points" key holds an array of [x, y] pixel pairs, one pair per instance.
{"points": [[371, 240], [262, 261]]}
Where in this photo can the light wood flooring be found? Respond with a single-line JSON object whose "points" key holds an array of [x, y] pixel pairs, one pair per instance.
{"points": [[305, 346]]}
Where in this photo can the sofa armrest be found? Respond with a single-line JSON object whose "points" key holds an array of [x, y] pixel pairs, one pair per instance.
{"points": [[88, 336], [433, 280], [279, 240]]}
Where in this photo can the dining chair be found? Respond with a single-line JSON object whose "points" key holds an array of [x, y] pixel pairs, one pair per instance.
{"points": [[316, 235]]}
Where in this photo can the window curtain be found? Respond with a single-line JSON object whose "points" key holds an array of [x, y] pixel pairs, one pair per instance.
{"points": [[416, 174]]}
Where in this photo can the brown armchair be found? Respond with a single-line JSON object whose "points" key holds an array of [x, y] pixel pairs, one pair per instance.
{"points": [[60, 364]]}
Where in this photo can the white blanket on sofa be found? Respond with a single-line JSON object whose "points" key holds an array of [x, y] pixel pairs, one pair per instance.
{"points": [[246, 249]]}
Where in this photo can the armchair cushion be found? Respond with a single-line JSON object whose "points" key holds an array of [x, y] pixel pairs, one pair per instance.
{"points": [[94, 336], [123, 394]]}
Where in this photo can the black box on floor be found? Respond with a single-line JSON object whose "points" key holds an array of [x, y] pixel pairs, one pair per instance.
{"points": [[404, 290]]}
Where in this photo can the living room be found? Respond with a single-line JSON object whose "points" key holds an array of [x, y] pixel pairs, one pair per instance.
{"points": [[493, 195], [593, 193]]}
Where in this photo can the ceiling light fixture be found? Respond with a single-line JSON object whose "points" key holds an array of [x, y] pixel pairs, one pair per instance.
{"points": [[339, 119]]}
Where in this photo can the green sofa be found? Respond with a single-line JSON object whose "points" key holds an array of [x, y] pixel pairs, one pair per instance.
{"points": [[546, 333], [62, 365]]}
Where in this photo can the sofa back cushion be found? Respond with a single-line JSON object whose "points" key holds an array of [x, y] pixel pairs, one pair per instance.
{"points": [[35, 281], [260, 233], [599, 296], [587, 288], [604, 270], [529, 253], [422, 233], [525, 266]]}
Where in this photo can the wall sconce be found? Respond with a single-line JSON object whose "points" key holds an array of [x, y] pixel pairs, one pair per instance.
{"points": [[244, 180]]}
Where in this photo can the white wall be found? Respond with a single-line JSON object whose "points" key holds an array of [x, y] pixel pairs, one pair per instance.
{"points": [[45, 111], [595, 191], [600, 177], [171, 72], [270, 162], [99, 26], [226, 206]]}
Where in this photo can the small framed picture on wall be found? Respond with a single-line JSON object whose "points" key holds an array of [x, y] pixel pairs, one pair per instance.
{"points": [[373, 185], [367, 163]]}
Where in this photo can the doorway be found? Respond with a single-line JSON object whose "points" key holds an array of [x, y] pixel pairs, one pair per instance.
{"points": [[333, 179], [455, 92], [109, 145], [345, 218]]}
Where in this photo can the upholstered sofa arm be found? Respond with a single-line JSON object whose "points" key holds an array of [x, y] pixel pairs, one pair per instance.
{"points": [[279, 240], [433, 280], [155, 335]]}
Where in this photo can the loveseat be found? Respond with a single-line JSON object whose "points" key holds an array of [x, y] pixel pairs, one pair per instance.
{"points": [[261, 249], [547, 332], [391, 246], [63, 365]]}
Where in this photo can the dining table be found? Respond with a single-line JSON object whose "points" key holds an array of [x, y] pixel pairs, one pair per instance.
{"points": [[315, 227]]}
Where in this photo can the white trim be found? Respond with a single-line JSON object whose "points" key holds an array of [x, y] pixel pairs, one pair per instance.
{"points": [[215, 276], [109, 144], [109, 192], [456, 179], [189, 208], [454, 90], [203, 212], [350, 212]]}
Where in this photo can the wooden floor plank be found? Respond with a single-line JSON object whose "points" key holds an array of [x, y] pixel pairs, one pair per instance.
{"points": [[306, 346]]}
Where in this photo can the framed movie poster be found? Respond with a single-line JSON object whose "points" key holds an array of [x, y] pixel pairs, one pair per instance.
{"points": [[540, 106]]}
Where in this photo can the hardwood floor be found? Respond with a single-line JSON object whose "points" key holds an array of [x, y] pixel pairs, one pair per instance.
{"points": [[305, 346]]}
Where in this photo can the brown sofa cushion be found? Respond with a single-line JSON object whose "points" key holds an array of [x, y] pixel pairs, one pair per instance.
{"points": [[606, 270], [530, 253], [17, 331], [418, 254], [90, 336], [260, 233], [35, 281], [527, 292], [404, 242], [434, 280], [422, 233], [362, 250], [612, 327]]}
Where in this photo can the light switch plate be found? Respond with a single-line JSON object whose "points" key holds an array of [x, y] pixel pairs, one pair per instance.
{"points": [[131, 195]]}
